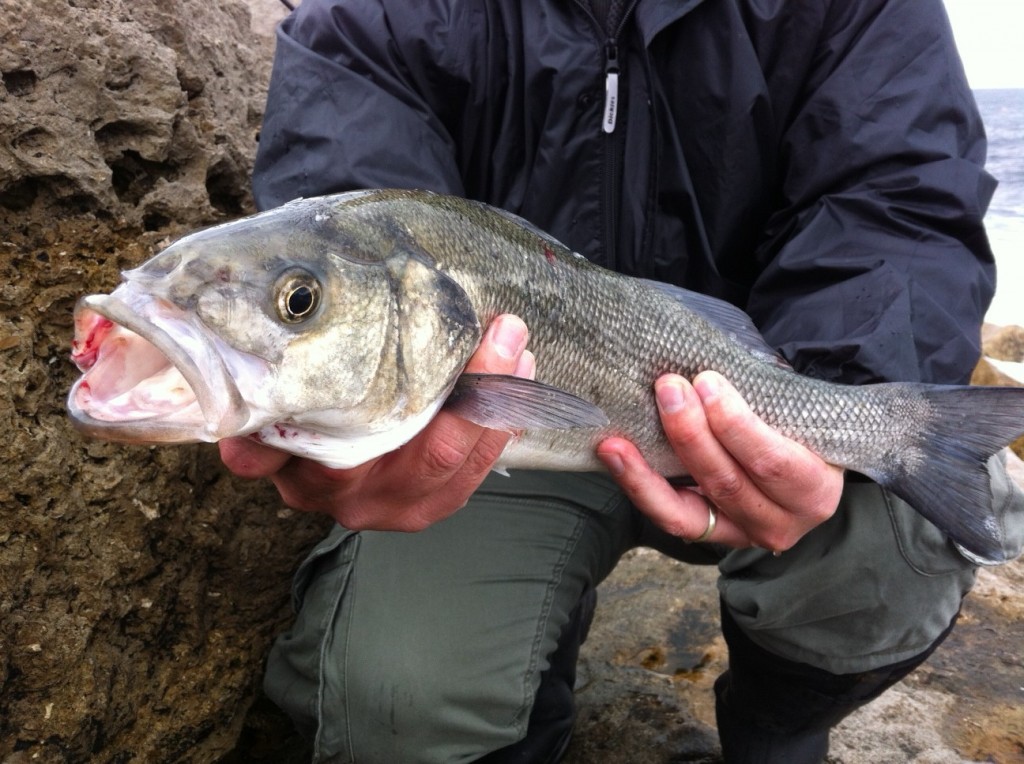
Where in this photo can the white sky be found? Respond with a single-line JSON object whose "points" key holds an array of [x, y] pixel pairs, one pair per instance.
{"points": [[990, 36]]}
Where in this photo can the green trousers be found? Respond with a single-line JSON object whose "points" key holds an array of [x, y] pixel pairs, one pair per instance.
{"points": [[428, 647]]}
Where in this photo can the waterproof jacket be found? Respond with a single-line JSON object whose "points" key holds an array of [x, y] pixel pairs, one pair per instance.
{"points": [[819, 164]]}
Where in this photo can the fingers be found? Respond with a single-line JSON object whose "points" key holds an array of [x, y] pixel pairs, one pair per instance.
{"points": [[769, 489], [772, 487], [685, 423], [706, 459], [785, 471], [249, 459], [302, 484], [680, 512], [450, 445], [501, 347]]}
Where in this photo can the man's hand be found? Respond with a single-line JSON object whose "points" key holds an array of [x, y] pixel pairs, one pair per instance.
{"points": [[424, 481], [768, 490]]}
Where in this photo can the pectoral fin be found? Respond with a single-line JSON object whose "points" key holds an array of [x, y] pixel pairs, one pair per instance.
{"points": [[503, 402]]}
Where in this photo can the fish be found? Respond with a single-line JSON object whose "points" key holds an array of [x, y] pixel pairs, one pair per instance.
{"points": [[336, 327]]}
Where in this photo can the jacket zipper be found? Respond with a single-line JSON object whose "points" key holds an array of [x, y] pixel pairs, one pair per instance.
{"points": [[613, 142], [611, 153], [609, 121]]}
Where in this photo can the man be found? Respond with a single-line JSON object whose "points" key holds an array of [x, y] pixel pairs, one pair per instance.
{"points": [[817, 164]]}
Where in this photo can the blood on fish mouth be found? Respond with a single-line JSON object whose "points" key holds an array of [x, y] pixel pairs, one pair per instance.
{"points": [[85, 352]]}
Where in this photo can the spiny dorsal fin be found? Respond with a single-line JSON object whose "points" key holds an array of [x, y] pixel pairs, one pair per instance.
{"points": [[726, 317]]}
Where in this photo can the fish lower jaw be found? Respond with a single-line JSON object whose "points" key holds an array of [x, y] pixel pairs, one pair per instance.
{"points": [[113, 399], [140, 402], [139, 430], [160, 408]]}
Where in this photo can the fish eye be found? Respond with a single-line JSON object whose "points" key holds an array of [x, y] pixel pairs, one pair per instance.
{"points": [[298, 297]]}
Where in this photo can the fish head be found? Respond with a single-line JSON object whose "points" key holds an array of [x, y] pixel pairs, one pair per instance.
{"points": [[278, 326]]}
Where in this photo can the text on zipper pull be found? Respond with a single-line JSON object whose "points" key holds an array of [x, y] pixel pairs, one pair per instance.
{"points": [[611, 101]]}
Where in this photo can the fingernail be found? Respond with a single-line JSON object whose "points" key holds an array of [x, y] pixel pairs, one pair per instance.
{"points": [[708, 386], [670, 395], [508, 336], [614, 463], [526, 367]]}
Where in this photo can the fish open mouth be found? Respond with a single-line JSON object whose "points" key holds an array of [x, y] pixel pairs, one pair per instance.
{"points": [[151, 375]]}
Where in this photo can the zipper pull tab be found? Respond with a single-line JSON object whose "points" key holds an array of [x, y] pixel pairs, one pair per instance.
{"points": [[611, 88]]}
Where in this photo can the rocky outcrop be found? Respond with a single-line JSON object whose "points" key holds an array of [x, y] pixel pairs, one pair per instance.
{"points": [[139, 588], [140, 112], [1002, 363], [1004, 343], [646, 673]]}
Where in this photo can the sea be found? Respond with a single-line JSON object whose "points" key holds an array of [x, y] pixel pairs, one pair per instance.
{"points": [[1003, 114]]}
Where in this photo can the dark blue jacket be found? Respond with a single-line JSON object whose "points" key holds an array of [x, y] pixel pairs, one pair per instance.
{"points": [[818, 164]]}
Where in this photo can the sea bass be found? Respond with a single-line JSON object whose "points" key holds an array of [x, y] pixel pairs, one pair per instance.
{"points": [[336, 327]]}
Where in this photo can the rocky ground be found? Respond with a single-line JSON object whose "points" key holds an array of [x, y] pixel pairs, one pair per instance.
{"points": [[654, 652], [140, 588]]}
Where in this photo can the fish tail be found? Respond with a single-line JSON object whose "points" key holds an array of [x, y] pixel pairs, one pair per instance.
{"points": [[943, 473]]}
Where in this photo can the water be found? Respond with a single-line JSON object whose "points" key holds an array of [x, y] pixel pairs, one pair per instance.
{"points": [[1003, 113]]}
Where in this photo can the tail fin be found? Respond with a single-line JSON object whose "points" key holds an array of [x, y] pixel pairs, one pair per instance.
{"points": [[946, 477]]}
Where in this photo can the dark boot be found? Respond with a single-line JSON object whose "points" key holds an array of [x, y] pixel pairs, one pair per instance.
{"points": [[770, 709], [554, 709]]}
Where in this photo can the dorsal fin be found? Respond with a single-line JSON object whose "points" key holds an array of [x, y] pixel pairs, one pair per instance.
{"points": [[725, 316]]}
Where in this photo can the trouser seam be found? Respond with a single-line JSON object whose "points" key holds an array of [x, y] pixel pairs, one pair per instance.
{"points": [[325, 631], [521, 720]]}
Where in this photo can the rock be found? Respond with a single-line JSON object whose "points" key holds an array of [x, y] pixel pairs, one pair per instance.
{"points": [[1015, 468], [267, 14], [987, 372], [139, 588], [646, 670], [1005, 343], [1003, 350], [644, 691], [904, 718], [142, 112]]}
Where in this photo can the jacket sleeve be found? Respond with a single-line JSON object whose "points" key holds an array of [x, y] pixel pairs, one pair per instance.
{"points": [[876, 266], [345, 110]]}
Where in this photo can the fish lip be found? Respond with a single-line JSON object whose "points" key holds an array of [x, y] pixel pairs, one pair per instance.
{"points": [[222, 405]]}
